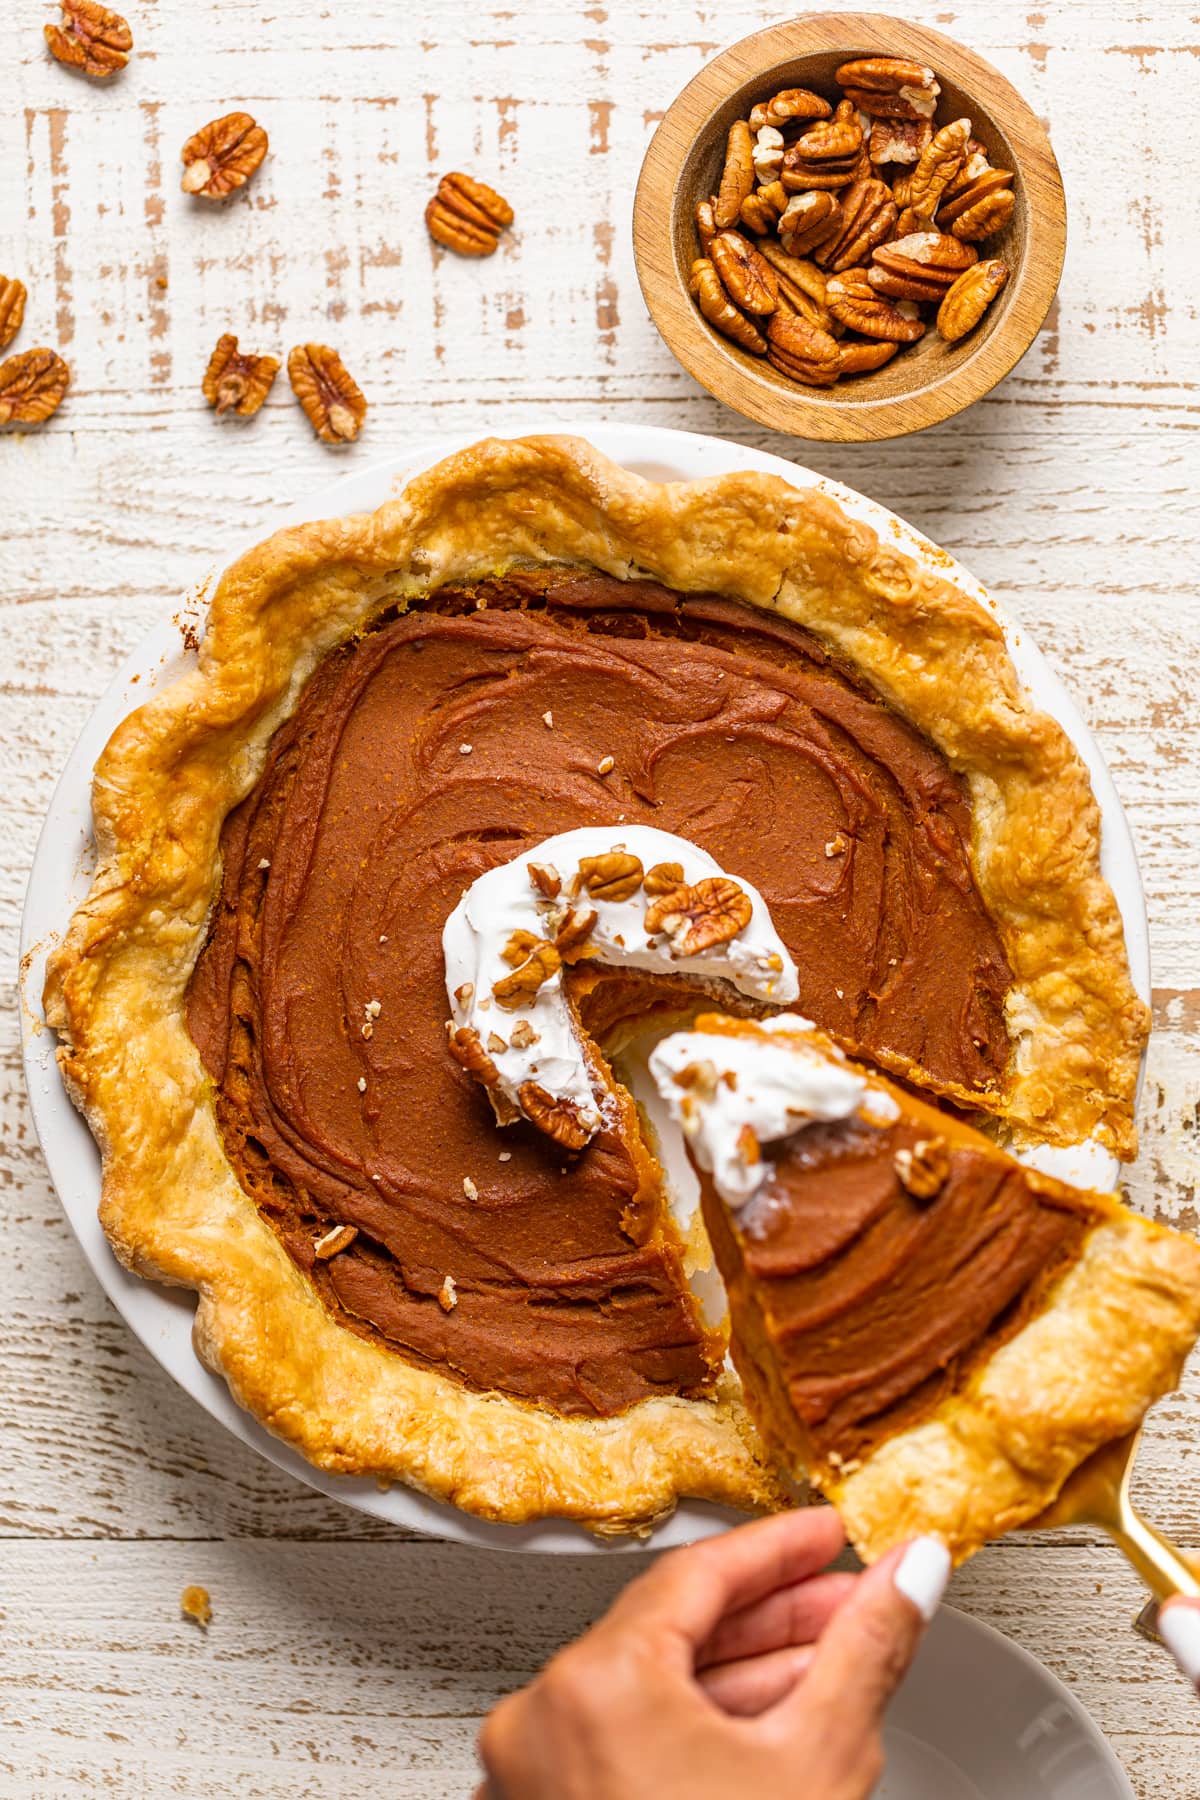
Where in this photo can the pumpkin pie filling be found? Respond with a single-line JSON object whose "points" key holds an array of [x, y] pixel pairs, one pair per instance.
{"points": [[455, 736]]}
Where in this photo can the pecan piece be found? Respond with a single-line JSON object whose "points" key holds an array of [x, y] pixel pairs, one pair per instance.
{"points": [[541, 965], [929, 257], [936, 167], [12, 308], [898, 140], [697, 918], [334, 1241], [574, 929], [706, 224], [762, 209], [519, 944], [614, 876], [559, 1119], [467, 215], [546, 879], [768, 155], [663, 878], [969, 298], [91, 37], [906, 287], [827, 156], [332, 400], [466, 1047], [962, 195], [868, 215], [854, 303], [746, 277], [802, 350], [737, 176], [980, 209], [32, 386], [808, 220], [222, 156], [890, 87], [925, 1169], [860, 359], [235, 382], [705, 286], [790, 107]]}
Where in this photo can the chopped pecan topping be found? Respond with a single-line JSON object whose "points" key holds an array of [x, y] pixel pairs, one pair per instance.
{"points": [[697, 918], [333, 403], [222, 156], [236, 382], [559, 1119], [467, 215], [541, 965], [924, 1169], [699, 1077], [523, 1035], [91, 37], [737, 176], [520, 943], [32, 386], [663, 878], [546, 879], [617, 875], [12, 308], [574, 930], [466, 1047], [969, 298], [335, 1240], [748, 1147]]}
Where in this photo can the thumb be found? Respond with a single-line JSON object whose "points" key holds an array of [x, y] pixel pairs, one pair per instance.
{"points": [[1179, 1629], [866, 1649]]}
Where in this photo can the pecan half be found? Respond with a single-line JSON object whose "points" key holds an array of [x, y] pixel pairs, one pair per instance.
{"points": [[559, 1119], [762, 209], [705, 287], [790, 107], [235, 382], [91, 37], [697, 918], [467, 215], [746, 277], [969, 298], [540, 966], [827, 156], [222, 156], [926, 256], [890, 87], [962, 195], [32, 386], [860, 359], [936, 167], [737, 175], [802, 350], [519, 944], [868, 215], [980, 209], [808, 219], [663, 878], [332, 400], [617, 875], [801, 286], [706, 224], [898, 140], [768, 155], [12, 308], [854, 303], [925, 1169], [466, 1047], [906, 287]]}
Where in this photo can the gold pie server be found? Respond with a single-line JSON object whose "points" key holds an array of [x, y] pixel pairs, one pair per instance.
{"points": [[1098, 1494]]}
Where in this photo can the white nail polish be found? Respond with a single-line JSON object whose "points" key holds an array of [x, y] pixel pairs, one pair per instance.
{"points": [[1179, 1629], [922, 1573]]}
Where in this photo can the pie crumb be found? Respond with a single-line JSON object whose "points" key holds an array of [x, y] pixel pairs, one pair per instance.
{"points": [[548, 720], [506, 1156], [606, 765], [195, 1605], [447, 1295], [469, 1188], [465, 749], [362, 1084]]}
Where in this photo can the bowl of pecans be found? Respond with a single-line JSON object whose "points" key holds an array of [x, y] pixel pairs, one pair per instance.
{"points": [[865, 227]]}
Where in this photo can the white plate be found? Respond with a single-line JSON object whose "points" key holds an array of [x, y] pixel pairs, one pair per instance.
{"points": [[162, 1317], [979, 1719]]}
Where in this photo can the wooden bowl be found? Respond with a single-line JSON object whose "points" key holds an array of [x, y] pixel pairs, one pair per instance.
{"points": [[925, 382]]}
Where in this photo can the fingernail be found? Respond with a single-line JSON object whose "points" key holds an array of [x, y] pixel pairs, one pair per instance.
{"points": [[922, 1573], [1179, 1629]]}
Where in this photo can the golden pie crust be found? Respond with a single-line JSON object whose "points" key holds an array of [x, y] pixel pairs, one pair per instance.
{"points": [[171, 1204]]}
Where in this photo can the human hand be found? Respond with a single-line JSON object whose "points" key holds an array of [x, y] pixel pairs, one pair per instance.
{"points": [[1179, 1629], [735, 1667]]}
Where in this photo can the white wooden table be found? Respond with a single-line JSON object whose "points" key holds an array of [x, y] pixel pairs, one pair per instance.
{"points": [[343, 1656]]}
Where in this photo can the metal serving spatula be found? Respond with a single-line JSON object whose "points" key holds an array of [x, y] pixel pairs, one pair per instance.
{"points": [[1098, 1494]]}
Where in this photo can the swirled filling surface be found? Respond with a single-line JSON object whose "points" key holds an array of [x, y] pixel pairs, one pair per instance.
{"points": [[457, 735]]}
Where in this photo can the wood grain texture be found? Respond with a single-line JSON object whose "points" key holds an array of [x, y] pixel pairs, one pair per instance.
{"points": [[928, 381], [341, 1654]]}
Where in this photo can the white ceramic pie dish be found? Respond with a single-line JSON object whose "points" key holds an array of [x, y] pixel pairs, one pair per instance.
{"points": [[161, 1317]]}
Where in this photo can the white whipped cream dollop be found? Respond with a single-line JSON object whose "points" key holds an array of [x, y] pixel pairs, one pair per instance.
{"points": [[731, 1094], [512, 899]]}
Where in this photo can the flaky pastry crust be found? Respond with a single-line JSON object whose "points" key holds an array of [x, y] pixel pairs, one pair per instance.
{"points": [[173, 770]]}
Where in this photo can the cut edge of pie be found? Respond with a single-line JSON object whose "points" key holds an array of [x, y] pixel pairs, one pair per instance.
{"points": [[172, 771], [1099, 1334]]}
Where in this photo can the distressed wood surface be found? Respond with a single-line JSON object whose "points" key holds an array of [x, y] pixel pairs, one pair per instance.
{"points": [[342, 1653]]}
